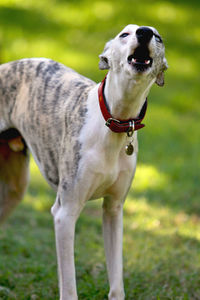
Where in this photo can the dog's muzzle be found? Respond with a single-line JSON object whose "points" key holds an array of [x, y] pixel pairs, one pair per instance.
{"points": [[140, 59]]}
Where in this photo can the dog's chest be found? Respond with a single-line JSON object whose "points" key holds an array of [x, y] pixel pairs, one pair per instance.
{"points": [[108, 177], [105, 178], [104, 167]]}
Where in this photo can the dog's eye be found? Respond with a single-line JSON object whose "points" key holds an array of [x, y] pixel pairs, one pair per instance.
{"points": [[123, 35], [158, 38]]}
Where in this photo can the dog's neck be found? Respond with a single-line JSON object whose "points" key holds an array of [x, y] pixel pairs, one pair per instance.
{"points": [[126, 97]]}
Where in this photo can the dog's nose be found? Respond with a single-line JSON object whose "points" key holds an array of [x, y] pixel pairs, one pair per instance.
{"points": [[144, 34]]}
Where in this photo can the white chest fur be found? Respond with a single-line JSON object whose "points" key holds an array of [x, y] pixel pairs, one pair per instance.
{"points": [[103, 152]]}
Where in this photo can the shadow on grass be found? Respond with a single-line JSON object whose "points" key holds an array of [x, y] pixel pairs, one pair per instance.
{"points": [[156, 265], [161, 266]]}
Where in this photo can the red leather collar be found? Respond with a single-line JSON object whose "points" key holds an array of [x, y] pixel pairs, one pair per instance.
{"points": [[119, 125]]}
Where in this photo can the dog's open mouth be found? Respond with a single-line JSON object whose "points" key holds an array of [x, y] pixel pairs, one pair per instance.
{"points": [[140, 59]]}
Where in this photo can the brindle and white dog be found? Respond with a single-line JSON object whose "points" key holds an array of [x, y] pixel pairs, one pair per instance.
{"points": [[54, 112]]}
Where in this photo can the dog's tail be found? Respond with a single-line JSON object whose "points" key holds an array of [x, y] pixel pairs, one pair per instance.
{"points": [[14, 170]]}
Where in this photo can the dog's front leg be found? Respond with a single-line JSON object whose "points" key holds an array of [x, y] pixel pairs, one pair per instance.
{"points": [[113, 235], [65, 217]]}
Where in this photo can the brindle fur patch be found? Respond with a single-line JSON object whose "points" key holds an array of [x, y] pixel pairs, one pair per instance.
{"points": [[46, 102]]}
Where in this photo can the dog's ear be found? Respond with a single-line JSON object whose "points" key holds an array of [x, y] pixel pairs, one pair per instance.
{"points": [[160, 77], [104, 57], [103, 63]]}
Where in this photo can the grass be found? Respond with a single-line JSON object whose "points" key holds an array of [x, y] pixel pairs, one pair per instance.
{"points": [[162, 211]]}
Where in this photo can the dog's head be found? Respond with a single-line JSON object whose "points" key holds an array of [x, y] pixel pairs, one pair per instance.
{"points": [[136, 51]]}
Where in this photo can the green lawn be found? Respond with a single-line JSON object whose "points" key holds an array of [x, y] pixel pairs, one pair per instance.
{"points": [[162, 211]]}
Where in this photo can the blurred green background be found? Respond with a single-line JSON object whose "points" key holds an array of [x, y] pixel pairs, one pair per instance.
{"points": [[162, 212]]}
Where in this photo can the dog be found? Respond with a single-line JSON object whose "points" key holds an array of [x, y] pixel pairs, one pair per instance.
{"points": [[83, 137]]}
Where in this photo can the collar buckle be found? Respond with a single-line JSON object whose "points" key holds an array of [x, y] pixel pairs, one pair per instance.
{"points": [[108, 122]]}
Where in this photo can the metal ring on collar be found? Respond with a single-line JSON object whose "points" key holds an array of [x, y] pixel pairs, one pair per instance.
{"points": [[131, 129]]}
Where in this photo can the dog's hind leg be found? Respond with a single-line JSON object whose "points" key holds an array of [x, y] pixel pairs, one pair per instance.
{"points": [[14, 175]]}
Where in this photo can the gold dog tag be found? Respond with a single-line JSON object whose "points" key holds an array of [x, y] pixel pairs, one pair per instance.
{"points": [[129, 149]]}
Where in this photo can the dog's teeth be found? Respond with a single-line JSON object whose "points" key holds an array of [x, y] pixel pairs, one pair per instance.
{"points": [[147, 62], [134, 60]]}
